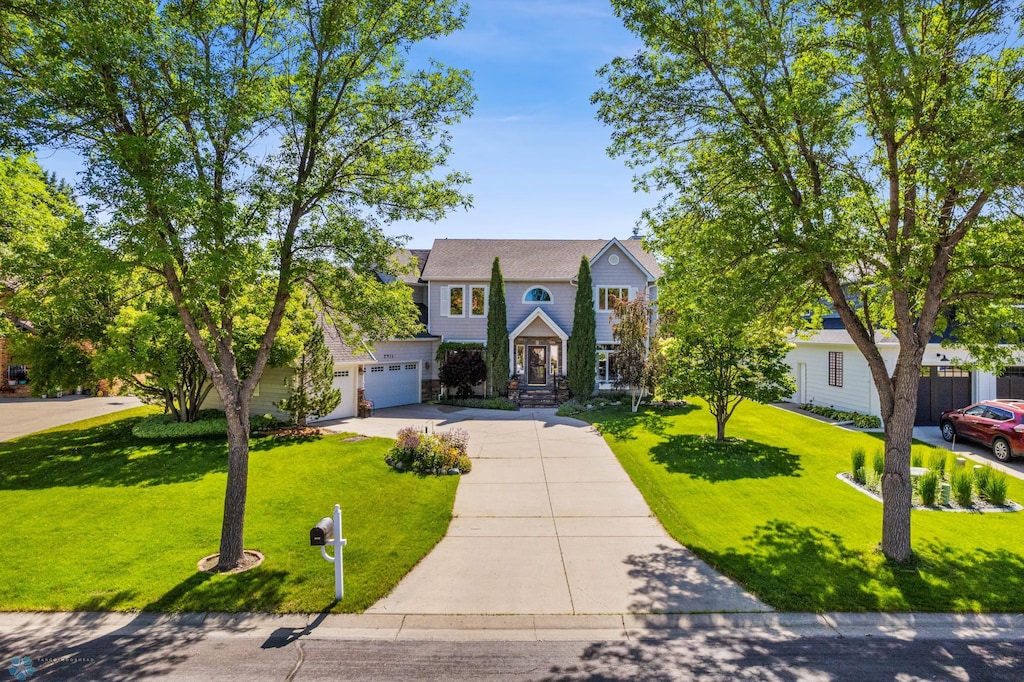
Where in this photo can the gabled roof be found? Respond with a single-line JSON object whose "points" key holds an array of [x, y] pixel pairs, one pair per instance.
{"points": [[525, 259], [342, 351], [539, 314]]}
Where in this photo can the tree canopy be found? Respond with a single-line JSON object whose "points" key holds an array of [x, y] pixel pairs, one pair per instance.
{"points": [[864, 154], [239, 150]]}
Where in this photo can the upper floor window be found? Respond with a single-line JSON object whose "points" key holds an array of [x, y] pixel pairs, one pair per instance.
{"points": [[458, 306], [607, 296], [537, 295], [478, 301], [456, 301]]}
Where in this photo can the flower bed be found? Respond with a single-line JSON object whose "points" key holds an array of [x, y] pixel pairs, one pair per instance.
{"points": [[431, 453], [971, 488]]}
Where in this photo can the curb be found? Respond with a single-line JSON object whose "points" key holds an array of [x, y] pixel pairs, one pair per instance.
{"points": [[279, 631]]}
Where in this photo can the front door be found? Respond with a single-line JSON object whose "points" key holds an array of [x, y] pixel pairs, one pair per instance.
{"points": [[537, 366]]}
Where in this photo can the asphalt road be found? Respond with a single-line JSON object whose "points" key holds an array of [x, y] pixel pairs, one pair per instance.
{"points": [[22, 416], [704, 657]]}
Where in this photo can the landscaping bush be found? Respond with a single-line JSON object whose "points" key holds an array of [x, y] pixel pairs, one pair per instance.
{"points": [[981, 479], [570, 408], [995, 488], [962, 484], [857, 458], [928, 488], [430, 453], [937, 463], [878, 462], [497, 403], [208, 424], [861, 421], [916, 458]]}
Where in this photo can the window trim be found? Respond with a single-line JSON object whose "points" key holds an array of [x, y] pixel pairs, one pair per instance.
{"points": [[487, 290], [620, 287], [551, 298], [835, 368], [447, 305]]}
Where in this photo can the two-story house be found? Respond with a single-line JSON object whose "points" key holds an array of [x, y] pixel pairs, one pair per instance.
{"points": [[451, 290]]}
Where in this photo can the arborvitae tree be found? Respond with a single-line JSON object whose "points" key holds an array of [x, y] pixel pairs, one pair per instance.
{"points": [[497, 333], [583, 344], [312, 392]]}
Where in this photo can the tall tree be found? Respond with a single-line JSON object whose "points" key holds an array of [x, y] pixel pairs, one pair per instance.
{"points": [[497, 333], [631, 330], [864, 152], [311, 389], [583, 344], [242, 148]]}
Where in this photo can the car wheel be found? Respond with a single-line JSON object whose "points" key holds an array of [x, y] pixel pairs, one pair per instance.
{"points": [[948, 431], [1001, 449]]}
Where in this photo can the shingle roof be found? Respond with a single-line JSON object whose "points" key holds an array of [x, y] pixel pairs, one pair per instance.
{"points": [[522, 259], [341, 351]]}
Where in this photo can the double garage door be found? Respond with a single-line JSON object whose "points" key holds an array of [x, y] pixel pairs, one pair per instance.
{"points": [[941, 389], [391, 385]]}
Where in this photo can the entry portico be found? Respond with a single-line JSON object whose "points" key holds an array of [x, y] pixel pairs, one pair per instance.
{"points": [[537, 349]]}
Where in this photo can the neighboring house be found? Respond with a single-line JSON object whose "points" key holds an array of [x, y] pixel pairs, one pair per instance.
{"points": [[451, 291], [830, 370]]}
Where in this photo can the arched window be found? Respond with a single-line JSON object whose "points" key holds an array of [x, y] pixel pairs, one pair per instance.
{"points": [[537, 295]]}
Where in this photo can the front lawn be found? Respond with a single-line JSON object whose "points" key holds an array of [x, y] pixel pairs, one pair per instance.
{"points": [[96, 519], [770, 513]]}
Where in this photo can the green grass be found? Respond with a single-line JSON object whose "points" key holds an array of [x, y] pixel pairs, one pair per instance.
{"points": [[769, 512], [96, 519]]}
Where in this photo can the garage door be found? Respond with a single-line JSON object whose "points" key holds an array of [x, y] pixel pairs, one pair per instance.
{"points": [[344, 381], [1011, 383], [391, 385], [941, 389]]}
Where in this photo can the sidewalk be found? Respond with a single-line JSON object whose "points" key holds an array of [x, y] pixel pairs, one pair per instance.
{"points": [[547, 523]]}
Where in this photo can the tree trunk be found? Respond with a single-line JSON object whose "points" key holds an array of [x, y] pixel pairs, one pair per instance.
{"points": [[897, 491], [232, 535], [720, 420]]}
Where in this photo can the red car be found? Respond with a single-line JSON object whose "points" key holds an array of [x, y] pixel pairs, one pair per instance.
{"points": [[998, 424]]}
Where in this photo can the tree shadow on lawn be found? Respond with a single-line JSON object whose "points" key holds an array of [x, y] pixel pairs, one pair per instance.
{"points": [[106, 455], [622, 424], [796, 568], [257, 590], [706, 459]]}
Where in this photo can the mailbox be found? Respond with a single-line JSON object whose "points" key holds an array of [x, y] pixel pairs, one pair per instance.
{"points": [[322, 532]]}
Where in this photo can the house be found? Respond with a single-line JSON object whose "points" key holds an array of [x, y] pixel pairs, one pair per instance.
{"points": [[450, 285], [13, 375], [830, 370]]}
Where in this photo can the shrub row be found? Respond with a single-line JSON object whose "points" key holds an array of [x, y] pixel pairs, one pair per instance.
{"points": [[497, 403], [861, 421], [431, 453], [208, 424]]}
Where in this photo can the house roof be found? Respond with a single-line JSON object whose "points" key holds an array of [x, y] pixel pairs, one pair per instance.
{"points": [[342, 351], [524, 259], [404, 257]]}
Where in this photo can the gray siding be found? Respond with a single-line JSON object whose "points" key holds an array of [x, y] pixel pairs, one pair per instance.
{"points": [[272, 388], [624, 273]]}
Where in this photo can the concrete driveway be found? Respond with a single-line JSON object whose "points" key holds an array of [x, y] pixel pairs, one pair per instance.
{"points": [[932, 436], [547, 522], [22, 416]]}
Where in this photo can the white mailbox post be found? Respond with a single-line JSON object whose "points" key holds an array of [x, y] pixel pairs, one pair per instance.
{"points": [[329, 531]]}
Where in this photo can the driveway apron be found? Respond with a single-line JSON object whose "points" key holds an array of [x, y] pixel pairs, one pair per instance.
{"points": [[547, 522]]}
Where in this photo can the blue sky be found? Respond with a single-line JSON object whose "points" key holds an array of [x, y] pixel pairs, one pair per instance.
{"points": [[534, 149]]}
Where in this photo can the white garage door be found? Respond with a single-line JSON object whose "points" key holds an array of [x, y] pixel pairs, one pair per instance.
{"points": [[344, 381], [390, 385]]}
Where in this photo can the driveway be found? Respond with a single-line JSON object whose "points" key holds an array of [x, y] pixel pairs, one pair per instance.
{"points": [[547, 522], [22, 416], [932, 436]]}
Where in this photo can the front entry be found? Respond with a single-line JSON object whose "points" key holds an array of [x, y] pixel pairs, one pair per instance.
{"points": [[536, 366]]}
